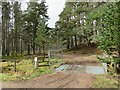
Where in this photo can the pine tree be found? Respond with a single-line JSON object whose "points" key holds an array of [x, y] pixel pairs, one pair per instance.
{"points": [[42, 37], [17, 26], [5, 28], [33, 12]]}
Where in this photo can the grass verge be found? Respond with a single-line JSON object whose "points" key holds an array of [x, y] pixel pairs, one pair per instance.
{"points": [[25, 69], [105, 81]]}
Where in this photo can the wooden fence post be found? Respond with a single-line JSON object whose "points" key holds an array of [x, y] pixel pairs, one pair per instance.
{"points": [[15, 65]]}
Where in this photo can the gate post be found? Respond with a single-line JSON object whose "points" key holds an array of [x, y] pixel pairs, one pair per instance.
{"points": [[36, 62], [15, 65]]}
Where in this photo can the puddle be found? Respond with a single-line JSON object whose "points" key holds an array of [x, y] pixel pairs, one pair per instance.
{"points": [[83, 69]]}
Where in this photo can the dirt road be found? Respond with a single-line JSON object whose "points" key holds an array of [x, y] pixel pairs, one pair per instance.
{"points": [[62, 79], [81, 59], [55, 80]]}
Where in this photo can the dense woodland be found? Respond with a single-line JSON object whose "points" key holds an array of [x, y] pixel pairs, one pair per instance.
{"points": [[80, 23], [20, 28]]}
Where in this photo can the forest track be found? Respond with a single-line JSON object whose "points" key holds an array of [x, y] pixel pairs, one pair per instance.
{"points": [[65, 80], [62, 79]]}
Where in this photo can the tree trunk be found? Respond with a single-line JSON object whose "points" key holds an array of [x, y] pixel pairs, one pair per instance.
{"points": [[43, 53], [7, 39], [3, 38], [72, 43], [33, 48], [39, 50], [15, 42], [75, 41], [34, 36], [7, 45], [21, 46], [12, 43], [80, 40], [68, 43], [28, 49], [3, 47]]}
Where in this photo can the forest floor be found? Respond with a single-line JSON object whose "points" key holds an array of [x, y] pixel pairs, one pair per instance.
{"points": [[63, 79]]}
